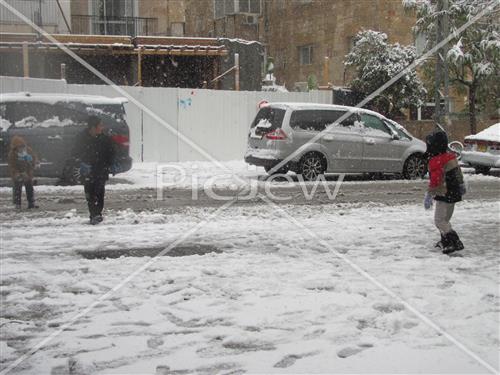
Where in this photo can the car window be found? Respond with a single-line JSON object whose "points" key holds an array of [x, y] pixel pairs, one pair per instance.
{"points": [[317, 120], [33, 114], [114, 112], [267, 119], [373, 122]]}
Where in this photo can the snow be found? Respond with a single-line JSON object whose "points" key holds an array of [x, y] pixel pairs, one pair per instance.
{"points": [[272, 300], [4, 124], [203, 175], [55, 98], [489, 134], [31, 121]]}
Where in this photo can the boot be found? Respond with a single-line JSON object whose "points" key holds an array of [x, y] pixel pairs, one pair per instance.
{"points": [[454, 243], [442, 243]]}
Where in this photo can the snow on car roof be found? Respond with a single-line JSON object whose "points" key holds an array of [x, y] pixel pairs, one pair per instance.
{"points": [[55, 98], [489, 134]]}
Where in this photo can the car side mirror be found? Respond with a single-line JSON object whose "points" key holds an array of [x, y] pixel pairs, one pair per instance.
{"points": [[395, 137]]}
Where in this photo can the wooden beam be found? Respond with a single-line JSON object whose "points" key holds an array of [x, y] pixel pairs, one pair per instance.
{"points": [[117, 51], [139, 67], [237, 71], [26, 60]]}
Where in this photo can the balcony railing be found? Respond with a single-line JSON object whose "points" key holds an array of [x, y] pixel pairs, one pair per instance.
{"points": [[133, 26], [42, 14]]}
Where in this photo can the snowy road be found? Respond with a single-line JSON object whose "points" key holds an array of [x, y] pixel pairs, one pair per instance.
{"points": [[248, 291]]}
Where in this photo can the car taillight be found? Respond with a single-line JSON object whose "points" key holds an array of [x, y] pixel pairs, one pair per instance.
{"points": [[276, 135], [494, 146], [120, 139], [468, 145]]}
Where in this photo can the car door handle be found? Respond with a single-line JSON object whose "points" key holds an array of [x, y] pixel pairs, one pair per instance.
{"points": [[55, 137], [370, 142], [328, 138]]}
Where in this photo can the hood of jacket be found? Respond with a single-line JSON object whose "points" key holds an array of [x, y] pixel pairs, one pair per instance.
{"points": [[17, 142], [437, 143]]}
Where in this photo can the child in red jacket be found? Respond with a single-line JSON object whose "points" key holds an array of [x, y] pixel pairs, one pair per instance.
{"points": [[446, 187]]}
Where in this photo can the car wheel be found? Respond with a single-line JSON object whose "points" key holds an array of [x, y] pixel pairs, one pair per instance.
{"points": [[283, 170], [71, 174], [312, 165], [415, 167], [481, 169]]}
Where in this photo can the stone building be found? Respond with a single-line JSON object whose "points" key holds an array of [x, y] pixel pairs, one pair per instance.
{"points": [[128, 17], [311, 37], [136, 42], [305, 38]]}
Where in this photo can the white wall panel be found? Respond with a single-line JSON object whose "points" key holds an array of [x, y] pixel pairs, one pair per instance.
{"points": [[216, 121]]}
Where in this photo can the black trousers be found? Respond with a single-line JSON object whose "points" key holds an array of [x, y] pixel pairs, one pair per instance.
{"points": [[17, 191], [94, 193]]}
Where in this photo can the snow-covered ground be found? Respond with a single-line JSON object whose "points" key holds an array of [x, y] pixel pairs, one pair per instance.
{"points": [[269, 298], [203, 174]]}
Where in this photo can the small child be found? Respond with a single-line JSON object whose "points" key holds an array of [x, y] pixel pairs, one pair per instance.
{"points": [[21, 165], [446, 187]]}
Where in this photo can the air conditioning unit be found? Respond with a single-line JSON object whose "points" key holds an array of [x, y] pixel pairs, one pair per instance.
{"points": [[251, 19]]}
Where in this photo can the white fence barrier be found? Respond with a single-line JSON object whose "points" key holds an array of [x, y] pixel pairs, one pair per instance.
{"points": [[216, 121]]}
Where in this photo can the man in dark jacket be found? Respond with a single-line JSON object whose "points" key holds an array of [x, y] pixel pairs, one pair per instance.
{"points": [[94, 151], [446, 187]]}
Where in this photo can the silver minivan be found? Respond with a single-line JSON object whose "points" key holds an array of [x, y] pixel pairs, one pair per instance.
{"points": [[313, 139]]}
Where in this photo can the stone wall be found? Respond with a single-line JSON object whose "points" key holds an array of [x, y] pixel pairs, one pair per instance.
{"points": [[329, 27], [457, 131]]}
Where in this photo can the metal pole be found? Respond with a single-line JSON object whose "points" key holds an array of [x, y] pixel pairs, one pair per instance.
{"points": [[26, 60], [439, 64], [40, 13], [105, 18], [237, 71], [446, 30]]}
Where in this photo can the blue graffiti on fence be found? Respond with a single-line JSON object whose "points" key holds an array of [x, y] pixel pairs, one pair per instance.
{"points": [[185, 103]]}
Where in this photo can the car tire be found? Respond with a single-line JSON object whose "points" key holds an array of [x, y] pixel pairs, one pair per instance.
{"points": [[415, 167], [312, 165], [283, 170], [70, 174], [481, 169]]}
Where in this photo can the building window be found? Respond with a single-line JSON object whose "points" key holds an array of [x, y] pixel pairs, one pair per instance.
{"points": [[177, 29], [306, 55], [249, 6], [223, 8], [425, 112]]}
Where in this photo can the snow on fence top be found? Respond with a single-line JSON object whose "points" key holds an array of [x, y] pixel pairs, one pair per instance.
{"points": [[57, 98]]}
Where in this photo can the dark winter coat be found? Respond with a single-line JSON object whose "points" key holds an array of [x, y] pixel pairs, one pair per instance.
{"points": [[445, 178], [19, 166], [98, 152]]}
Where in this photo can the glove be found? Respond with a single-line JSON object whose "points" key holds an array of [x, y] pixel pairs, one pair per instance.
{"points": [[114, 169], [28, 158], [428, 201], [463, 189], [85, 169]]}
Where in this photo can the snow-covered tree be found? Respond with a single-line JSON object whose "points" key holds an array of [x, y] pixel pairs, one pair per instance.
{"points": [[474, 55], [375, 62]]}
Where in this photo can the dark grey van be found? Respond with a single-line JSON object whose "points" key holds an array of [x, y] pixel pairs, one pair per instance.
{"points": [[50, 124]]}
